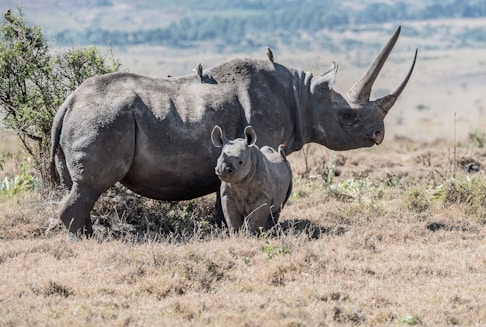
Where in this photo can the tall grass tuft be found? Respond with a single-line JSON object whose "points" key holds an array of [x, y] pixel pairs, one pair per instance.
{"points": [[470, 192]]}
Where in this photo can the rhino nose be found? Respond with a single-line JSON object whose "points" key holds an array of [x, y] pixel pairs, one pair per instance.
{"points": [[223, 169], [377, 137]]}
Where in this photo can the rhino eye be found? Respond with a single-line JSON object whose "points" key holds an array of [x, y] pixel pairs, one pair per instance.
{"points": [[240, 163], [348, 117]]}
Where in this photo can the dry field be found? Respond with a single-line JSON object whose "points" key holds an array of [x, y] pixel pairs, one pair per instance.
{"points": [[391, 235]]}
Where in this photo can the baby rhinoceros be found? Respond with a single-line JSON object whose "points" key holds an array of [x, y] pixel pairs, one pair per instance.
{"points": [[255, 183]]}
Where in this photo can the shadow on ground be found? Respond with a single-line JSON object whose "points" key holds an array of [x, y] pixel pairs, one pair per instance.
{"points": [[304, 226]]}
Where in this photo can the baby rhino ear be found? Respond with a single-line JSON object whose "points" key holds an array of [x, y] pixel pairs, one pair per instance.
{"points": [[217, 137], [250, 136], [325, 81]]}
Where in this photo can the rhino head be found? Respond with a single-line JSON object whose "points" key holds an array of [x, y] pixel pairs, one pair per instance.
{"points": [[351, 121], [235, 162]]}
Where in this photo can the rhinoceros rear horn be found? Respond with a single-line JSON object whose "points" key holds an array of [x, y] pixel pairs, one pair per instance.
{"points": [[361, 90], [385, 103], [326, 80]]}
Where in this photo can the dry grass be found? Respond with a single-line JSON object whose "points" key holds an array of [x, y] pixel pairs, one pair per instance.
{"points": [[393, 242]]}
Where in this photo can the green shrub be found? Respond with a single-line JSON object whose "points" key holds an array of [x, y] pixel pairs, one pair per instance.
{"points": [[329, 170], [35, 82], [463, 190], [22, 182], [417, 201], [478, 138], [470, 192], [351, 188], [274, 250]]}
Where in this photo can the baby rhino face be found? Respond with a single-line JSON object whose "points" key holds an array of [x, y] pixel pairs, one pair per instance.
{"points": [[234, 163]]}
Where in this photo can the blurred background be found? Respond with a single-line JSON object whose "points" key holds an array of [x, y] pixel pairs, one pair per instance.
{"points": [[158, 38]]}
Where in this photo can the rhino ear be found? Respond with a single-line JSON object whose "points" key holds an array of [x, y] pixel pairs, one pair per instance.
{"points": [[250, 136], [326, 80], [217, 137]]}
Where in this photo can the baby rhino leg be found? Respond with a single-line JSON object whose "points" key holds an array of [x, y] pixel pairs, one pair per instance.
{"points": [[234, 219], [259, 219]]}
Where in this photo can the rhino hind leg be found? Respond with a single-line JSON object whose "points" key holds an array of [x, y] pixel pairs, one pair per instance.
{"points": [[260, 220], [218, 211], [93, 166], [76, 207], [75, 211]]}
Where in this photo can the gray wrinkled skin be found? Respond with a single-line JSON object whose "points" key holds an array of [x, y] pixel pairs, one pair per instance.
{"points": [[153, 135], [255, 184]]}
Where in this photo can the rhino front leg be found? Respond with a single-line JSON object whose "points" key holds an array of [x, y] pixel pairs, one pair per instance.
{"points": [[234, 219]]}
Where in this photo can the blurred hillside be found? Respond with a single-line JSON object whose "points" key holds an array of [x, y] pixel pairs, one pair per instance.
{"points": [[237, 26]]}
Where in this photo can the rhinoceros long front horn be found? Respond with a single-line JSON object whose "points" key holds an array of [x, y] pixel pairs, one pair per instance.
{"points": [[361, 90]]}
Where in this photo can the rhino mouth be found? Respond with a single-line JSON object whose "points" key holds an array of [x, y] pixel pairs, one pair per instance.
{"points": [[376, 142], [369, 143]]}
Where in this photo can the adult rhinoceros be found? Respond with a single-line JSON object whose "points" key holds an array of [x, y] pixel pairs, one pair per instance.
{"points": [[153, 135]]}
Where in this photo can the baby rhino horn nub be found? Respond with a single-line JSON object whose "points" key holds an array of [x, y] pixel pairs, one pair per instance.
{"points": [[361, 90]]}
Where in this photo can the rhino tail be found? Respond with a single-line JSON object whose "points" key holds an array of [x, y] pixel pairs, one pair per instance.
{"points": [[289, 191], [281, 151], [55, 139]]}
